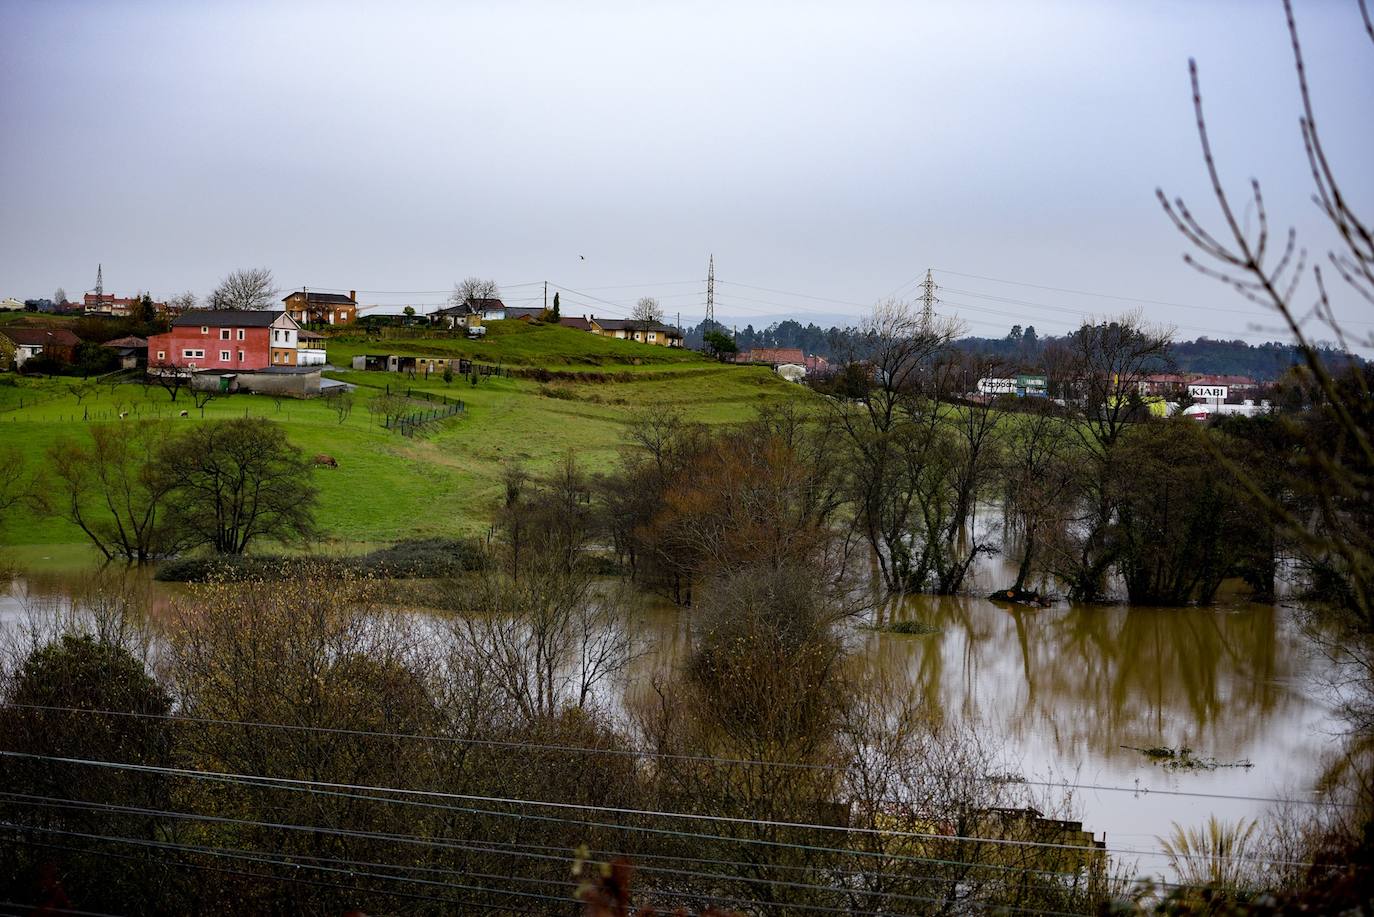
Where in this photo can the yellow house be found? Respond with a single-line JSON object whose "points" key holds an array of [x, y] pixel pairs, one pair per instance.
{"points": [[627, 329]]}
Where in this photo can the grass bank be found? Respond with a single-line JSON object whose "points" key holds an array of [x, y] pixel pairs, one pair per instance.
{"points": [[388, 487]]}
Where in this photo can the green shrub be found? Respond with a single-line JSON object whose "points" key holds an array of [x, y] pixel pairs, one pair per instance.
{"points": [[414, 558]]}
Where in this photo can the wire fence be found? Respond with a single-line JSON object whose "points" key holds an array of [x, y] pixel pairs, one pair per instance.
{"points": [[440, 407]]}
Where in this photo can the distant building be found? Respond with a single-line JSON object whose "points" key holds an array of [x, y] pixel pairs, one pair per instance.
{"points": [[572, 321], [115, 306], [1204, 411], [10, 304], [1022, 385], [310, 308], [774, 356], [1173, 385], [39, 305], [18, 345], [523, 314]]}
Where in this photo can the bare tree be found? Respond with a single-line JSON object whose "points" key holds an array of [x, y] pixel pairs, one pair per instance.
{"points": [[11, 478], [59, 297], [342, 403], [113, 489], [171, 379], [250, 288], [201, 397], [894, 437], [1337, 471], [647, 313], [182, 302], [1109, 360], [474, 290], [544, 642]]}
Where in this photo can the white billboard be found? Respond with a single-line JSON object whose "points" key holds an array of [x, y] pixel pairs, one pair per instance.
{"points": [[1207, 392]]}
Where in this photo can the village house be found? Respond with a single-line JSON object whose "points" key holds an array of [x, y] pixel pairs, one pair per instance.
{"points": [[310, 308], [132, 350], [631, 330], [10, 304], [226, 340], [470, 313], [20, 344], [239, 350]]}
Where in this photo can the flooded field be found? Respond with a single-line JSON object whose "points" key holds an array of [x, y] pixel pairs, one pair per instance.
{"points": [[1074, 694]]}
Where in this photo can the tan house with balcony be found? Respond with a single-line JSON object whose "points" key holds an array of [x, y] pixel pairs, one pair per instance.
{"points": [[310, 308]]}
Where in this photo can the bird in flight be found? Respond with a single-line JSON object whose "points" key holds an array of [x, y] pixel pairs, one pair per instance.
{"points": [[583, 257]]}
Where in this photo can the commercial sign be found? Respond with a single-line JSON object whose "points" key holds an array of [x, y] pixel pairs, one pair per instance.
{"points": [[1207, 392]]}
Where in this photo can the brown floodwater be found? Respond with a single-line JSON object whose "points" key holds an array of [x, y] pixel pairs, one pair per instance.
{"points": [[1070, 692]]}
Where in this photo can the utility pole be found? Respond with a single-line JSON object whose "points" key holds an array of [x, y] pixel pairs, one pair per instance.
{"points": [[546, 296], [928, 298], [710, 295]]}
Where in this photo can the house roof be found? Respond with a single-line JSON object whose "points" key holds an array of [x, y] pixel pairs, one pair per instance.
{"points": [[304, 335], [772, 355], [321, 299], [522, 312], [130, 341], [483, 305], [41, 336], [231, 318], [572, 321]]}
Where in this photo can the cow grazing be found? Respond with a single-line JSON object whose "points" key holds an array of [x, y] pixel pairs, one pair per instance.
{"points": [[185, 413], [326, 461]]}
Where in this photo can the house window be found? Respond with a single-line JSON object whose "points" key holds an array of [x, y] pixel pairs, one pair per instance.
{"points": [[161, 355], [224, 356], [652, 336], [204, 329], [240, 356], [240, 334], [192, 354], [224, 334]]}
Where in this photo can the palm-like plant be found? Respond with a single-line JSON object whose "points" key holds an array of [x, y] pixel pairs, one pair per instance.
{"points": [[1218, 855]]}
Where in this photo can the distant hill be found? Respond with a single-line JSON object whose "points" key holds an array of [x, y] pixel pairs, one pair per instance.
{"points": [[1025, 347]]}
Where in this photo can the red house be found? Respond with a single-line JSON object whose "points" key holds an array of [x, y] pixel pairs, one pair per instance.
{"points": [[237, 340]]}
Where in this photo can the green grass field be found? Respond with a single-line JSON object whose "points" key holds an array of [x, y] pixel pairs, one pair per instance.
{"points": [[444, 481], [518, 344]]}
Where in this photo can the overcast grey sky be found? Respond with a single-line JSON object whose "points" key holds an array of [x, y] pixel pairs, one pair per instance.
{"points": [[835, 150]]}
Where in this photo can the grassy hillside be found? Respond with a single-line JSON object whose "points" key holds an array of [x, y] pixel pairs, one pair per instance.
{"points": [[515, 343], [388, 486]]}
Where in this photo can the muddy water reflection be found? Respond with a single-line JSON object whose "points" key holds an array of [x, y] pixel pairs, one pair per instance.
{"points": [[1071, 689], [1064, 689]]}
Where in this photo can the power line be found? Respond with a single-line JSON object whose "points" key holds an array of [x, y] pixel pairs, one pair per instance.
{"points": [[447, 844], [254, 857], [586, 807], [294, 880], [563, 858], [626, 752]]}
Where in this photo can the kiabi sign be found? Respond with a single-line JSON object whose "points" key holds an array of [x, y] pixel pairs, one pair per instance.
{"points": [[1207, 392]]}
